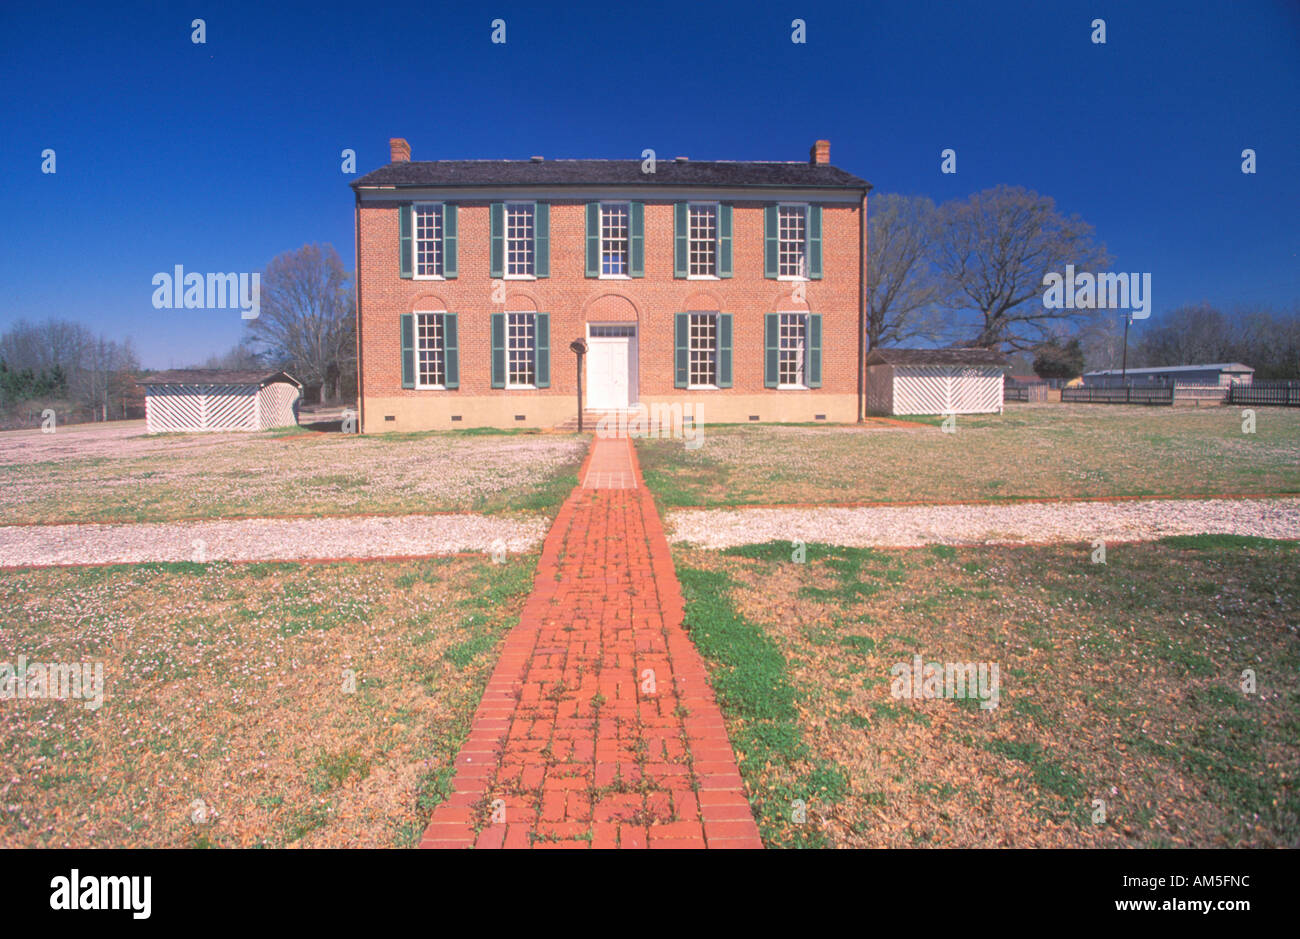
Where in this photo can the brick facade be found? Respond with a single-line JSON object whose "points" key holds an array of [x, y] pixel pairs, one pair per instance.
{"points": [[574, 300]]}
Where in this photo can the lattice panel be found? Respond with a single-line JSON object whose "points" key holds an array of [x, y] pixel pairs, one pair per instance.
{"points": [[275, 405], [940, 389], [174, 408]]}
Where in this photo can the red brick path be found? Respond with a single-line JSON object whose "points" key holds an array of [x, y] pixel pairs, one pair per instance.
{"points": [[598, 727]]}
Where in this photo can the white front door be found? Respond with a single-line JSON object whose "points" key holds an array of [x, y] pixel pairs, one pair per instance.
{"points": [[611, 366]]}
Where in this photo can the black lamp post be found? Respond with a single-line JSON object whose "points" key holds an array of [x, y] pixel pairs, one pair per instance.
{"points": [[579, 347]]}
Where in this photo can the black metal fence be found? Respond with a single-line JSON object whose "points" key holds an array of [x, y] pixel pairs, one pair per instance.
{"points": [[1267, 393], [1128, 394]]}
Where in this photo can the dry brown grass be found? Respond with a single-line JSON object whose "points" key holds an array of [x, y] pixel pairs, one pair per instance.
{"points": [[1118, 682], [226, 695], [1033, 450], [118, 473]]}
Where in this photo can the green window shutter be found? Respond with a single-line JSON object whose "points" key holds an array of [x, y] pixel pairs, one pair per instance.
{"points": [[813, 367], [636, 239], [497, 245], [771, 232], [771, 350], [451, 350], [498, 350], [408, 350], [681, 226], [542, 239], [815, 242], [681, 350], [404, 239], [724, 240], [724, 350], [449, 240], [593, 239], [542, 352]]}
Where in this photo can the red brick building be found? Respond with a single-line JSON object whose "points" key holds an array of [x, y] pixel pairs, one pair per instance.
{"points": [[732, 289]]}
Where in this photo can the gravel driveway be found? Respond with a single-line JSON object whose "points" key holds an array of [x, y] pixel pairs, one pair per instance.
{"points": [[265, 539], [1021, 523]]}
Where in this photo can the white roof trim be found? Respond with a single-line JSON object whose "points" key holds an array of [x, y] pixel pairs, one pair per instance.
{"points": [[596, 193]]}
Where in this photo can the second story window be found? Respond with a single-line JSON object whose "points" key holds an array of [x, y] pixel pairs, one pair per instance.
{"points": [[519, 239], [428, 239], [793, 236], [704, 240], [614, 239]]}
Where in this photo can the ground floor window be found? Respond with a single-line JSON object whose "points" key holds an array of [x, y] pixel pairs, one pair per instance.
{"points": [[792, 350], [430, 350], [521, 344], [704, 349]]}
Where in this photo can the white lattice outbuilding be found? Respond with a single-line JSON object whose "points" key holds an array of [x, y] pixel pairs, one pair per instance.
{"points": [[934, 381], [198, 399]]}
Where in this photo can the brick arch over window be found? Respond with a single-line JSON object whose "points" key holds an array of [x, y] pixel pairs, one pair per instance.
{"points": [[785, 302], [429, 301], [517, 301], [703, 300], [611, 308]]}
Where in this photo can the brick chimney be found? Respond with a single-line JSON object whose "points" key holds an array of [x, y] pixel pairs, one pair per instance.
{"points": [[820, 152], [400, 149]]}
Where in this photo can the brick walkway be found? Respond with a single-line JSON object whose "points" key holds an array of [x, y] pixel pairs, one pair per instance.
{"points": [[598, 727]]}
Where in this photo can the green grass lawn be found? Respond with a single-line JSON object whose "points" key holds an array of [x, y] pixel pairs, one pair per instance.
{"points": [[1050, 450], [1120, 688], [248, 704], [109, 474]]}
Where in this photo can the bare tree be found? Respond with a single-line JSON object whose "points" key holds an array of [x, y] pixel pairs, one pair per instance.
{"points": [[994, 250], [1102, 339], [306, 307], [902, 283], [1197, 334], [99, 371], [241, 356], [1188, 335]]}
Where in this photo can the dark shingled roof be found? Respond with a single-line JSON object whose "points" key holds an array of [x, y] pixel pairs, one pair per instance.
{"points": [[215, 376], [720, 174], [954, 356]]}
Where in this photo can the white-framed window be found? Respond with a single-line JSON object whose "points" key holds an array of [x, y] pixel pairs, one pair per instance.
{"points": [[703, 231], [703, 350], [614, 240], [792, 238], [519, 239], [428, 240], [792, 350], [521, 345], [430, 349]]}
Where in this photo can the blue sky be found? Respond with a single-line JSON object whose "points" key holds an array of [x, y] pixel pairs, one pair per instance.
{"points": [[220, 156]]}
